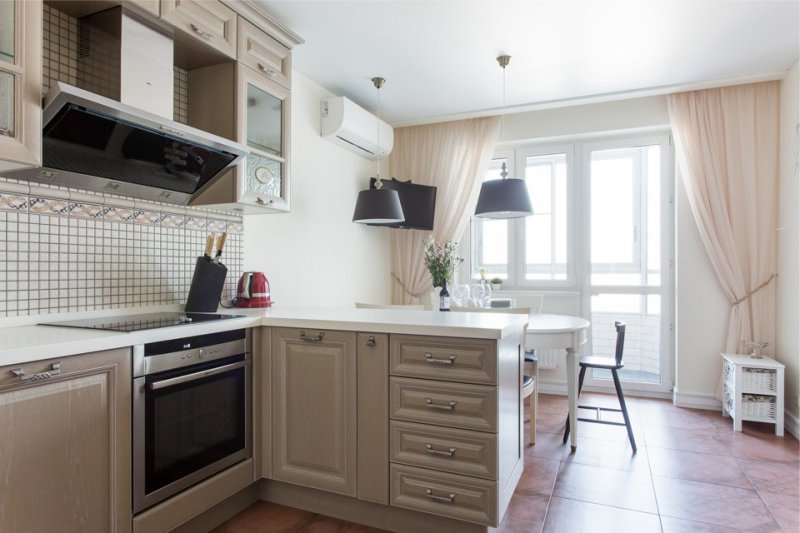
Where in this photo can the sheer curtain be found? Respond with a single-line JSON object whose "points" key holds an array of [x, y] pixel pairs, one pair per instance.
{"points": [[454, 157], [727, 148]]}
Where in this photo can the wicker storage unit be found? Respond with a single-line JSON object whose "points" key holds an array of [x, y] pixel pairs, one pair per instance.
{"points": [[753, 390]]}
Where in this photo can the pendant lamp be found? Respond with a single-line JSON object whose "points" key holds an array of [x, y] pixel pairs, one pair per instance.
{"points": [[378, 206], [505, 197]]}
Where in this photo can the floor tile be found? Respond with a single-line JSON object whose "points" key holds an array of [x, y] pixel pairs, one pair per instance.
{"points": [[771, 476], [687, 440], [609, 455], [553, 403], [676, 417], [548, 445], [709, 468], [719, 505], [525, 513], [570, 516], [324, 524], [606, 486], [539, 475], [676, 525], [766, 446], [785, 508]]}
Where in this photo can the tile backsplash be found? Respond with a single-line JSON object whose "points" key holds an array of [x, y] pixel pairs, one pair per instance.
{"points": [[65, 250], [59, 253]]}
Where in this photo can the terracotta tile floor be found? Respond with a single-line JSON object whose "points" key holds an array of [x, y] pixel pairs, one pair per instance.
{"points": [[692, 474]]}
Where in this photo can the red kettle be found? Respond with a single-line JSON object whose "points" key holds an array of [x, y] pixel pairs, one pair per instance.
{"points": [[253, 291]]}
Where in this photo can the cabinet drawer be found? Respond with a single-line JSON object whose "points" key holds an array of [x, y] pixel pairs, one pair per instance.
{"points": [[263, 54], [463, 360], [445, 404], [452, 450], [208, 21], [459, 497], [52, 369]]}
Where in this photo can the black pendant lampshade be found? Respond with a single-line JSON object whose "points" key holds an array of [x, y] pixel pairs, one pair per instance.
{"points": [[378, 206], [504, 198]]}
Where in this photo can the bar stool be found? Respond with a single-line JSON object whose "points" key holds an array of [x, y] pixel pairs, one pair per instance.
{"points": [[613, 365]]}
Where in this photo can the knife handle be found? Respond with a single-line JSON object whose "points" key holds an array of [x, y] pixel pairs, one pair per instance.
{"points": [[221, 242], [209, 244]]}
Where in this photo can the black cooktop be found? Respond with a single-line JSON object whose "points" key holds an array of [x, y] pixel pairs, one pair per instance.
{"points": [[144, 321]]}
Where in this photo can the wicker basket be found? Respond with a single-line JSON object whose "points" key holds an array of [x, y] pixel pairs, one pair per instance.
{"points": [[755, 406], [759, 380]]}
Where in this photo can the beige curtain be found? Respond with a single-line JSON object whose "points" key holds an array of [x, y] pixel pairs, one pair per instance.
{"points": [[454, 157], [727, 148]]}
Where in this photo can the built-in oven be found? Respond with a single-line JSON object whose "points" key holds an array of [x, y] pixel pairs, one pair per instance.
{"points": [[191, 412]]}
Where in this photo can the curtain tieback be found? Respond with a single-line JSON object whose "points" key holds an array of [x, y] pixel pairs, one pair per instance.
{"points": [[403, 286], [751, 293]]}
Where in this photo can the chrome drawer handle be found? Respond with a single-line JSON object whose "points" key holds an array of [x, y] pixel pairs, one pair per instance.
{"points": [[430, 405], [317, 338], [444, 453], [431, 360], [55, 370], [371, 341], [204, 34], [450, 498]]}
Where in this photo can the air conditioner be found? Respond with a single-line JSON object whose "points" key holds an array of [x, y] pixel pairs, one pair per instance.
{"points": [[346, 124]]}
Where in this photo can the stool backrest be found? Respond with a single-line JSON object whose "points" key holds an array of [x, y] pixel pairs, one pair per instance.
{"points": [[620, 326]]}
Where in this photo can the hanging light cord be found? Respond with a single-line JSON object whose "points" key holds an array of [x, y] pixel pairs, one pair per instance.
{"points": [[503, 61], [378, 82]]}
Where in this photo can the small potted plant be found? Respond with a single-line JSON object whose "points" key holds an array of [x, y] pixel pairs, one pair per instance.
{"points": [[497, 283]]}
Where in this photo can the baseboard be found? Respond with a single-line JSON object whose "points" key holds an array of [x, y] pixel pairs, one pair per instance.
{"points": [[791, 424], [696, 400]]}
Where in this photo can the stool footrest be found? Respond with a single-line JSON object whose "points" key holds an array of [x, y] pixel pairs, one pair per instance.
{"points": [[597, 421]]}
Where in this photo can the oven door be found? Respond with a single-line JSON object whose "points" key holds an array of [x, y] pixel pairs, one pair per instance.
{"points": [[189, 424]]}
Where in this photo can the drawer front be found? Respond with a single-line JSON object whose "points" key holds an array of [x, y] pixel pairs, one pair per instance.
{"points": [[460, 497], [462, 360], [451, 450], [34, 372], [208, 21], [263, 54], [446, 404]]}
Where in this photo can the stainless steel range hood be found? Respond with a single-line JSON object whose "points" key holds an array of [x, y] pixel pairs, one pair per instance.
{"points": [[97, 143]]}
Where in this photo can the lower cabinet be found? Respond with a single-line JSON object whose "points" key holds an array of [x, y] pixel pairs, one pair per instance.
{"points": [[65, 446], [314, 417]]}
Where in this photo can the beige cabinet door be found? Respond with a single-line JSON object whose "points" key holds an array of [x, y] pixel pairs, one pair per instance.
{"points": [[207, 21], [65, 447], [20, 83], [314, 409]]}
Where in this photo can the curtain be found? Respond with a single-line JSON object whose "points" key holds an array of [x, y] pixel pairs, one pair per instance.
{"points": [[454, 157], [727, 148]]}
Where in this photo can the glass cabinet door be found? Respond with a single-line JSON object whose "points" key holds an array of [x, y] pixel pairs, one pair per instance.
{"points": [[265, 129], [20, 83]]}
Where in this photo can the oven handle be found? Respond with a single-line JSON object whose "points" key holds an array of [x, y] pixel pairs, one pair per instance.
{"points": [[156, 385]]}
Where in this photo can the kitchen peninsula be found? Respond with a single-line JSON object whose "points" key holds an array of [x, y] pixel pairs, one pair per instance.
{"points": [[407, 420]]}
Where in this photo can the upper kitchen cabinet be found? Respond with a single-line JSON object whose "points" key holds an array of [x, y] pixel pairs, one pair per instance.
{"points": [[264, 54], [149, 6], [258, 118], [207, 21], [20, 83]]}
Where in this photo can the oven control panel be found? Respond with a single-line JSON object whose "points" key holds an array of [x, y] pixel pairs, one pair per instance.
{"points": [[185, 352]]}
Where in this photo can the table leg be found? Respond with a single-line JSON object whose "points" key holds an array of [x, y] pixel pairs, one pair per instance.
{"points": [[572, 393]]}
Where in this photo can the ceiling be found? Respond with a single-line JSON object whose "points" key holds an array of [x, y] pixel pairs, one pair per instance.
{"points": [[438, 57]]}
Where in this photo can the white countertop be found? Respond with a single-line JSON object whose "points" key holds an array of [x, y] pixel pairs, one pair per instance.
{"points": [[22, 341]]}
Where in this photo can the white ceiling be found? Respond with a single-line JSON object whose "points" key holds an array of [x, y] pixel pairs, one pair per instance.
{"points": [[438, 57]]}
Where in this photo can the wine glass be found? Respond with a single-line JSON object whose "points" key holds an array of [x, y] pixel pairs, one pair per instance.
{"points": [[487, 295], [460, 294], [478, 291]]}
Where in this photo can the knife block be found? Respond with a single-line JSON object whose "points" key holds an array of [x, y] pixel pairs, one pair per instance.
{"points": [[206, 288]]}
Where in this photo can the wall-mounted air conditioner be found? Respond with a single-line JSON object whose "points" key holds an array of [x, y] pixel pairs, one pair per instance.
{"points": [[346, 124]]}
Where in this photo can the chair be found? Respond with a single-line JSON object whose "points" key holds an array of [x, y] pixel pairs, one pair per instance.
{"points": [[409, 307], [613, 365], [530, 383]]}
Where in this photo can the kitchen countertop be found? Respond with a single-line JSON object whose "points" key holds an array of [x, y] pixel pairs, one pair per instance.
{"points": [[23, 341]]}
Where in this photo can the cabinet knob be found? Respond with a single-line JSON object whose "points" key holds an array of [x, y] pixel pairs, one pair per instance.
{"points": [[371, 341], [268, 71]]}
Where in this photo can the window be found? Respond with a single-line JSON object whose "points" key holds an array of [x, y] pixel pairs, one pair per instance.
{"points": [[601, 230]]}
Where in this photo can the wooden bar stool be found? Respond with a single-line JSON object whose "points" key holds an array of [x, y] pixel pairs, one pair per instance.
{"points": [[613, 365]]}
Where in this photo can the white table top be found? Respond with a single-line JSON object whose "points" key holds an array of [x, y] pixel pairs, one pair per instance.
{"points": [[746, 360], [23, 341], [556, 323]]}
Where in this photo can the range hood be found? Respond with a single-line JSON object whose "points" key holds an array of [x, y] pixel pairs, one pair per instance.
{"points": [[98, 143]]}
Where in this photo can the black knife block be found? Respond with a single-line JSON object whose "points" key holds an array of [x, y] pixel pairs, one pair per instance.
{"points": [[206, 288]]}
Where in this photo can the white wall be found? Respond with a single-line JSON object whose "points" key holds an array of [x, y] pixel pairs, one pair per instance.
{"points": [[787, 347], [315, 255], [702, 309]]}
